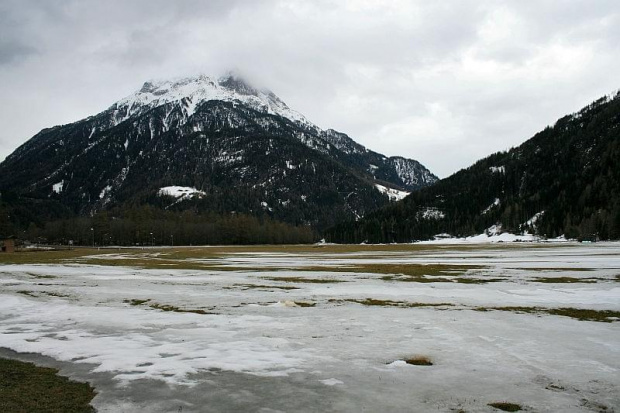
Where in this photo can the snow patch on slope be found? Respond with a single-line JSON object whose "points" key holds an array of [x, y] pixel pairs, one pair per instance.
{"points": [[57, 187], [105, 191], [531, 225], [342, 142], [266, 206], [430, 213], [181, 192], [411, 172], [393, 194], [190, 92], [532, 221], [493, 205]]}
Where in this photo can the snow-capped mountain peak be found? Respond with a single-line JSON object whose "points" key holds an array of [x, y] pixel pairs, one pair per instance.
{"points": [[189, 92], [213, 145]]}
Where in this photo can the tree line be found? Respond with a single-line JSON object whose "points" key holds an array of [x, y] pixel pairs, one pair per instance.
{"points": [[146, 225]]}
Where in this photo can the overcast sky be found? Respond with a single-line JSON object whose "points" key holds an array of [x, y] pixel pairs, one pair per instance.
{"points": [[445, 83]]}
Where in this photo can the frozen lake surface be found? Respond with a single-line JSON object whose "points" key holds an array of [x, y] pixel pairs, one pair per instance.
{"points": [[326, 328]]}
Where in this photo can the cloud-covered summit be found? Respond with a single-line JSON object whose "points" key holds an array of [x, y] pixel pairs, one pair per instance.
{"points": [[446, 83]]}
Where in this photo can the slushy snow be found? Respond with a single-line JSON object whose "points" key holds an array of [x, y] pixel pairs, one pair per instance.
{"points": [[347, 352]]}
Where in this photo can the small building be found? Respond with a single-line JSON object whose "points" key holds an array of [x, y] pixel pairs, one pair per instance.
{"points": [[7, 244]]}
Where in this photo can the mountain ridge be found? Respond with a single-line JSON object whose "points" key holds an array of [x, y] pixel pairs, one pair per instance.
{"points": [[241, 146], [563, 181]]}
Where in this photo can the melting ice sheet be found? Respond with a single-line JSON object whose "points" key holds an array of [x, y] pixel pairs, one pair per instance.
{"points": [[284, 324]]}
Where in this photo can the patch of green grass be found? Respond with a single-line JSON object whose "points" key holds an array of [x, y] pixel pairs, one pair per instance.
{"points": [[26, 388], [505, 406], [304, 280]]}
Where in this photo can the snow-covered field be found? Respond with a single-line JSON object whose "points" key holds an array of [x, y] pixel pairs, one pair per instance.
{"points": [[321, 329]]}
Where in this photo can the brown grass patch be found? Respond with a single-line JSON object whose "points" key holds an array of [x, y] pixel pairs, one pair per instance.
{"points": [[25, 387], [564, 280], [45, 257], [419, 361], [135, 301], [55, 294], [304, 280], [390, 303], [505, 406], [416, 279], [605, 316], [45, 277], [304, 304], [554, 269], [265, 287], [411, 270], [165, 307], [434, 279]]}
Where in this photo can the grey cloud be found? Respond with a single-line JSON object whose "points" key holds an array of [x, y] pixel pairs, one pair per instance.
{"points": [[12, 51], [13, 45], [443, 82]]}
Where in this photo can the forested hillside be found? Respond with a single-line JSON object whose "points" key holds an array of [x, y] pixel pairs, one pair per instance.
{"points": [[563, 181]]}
